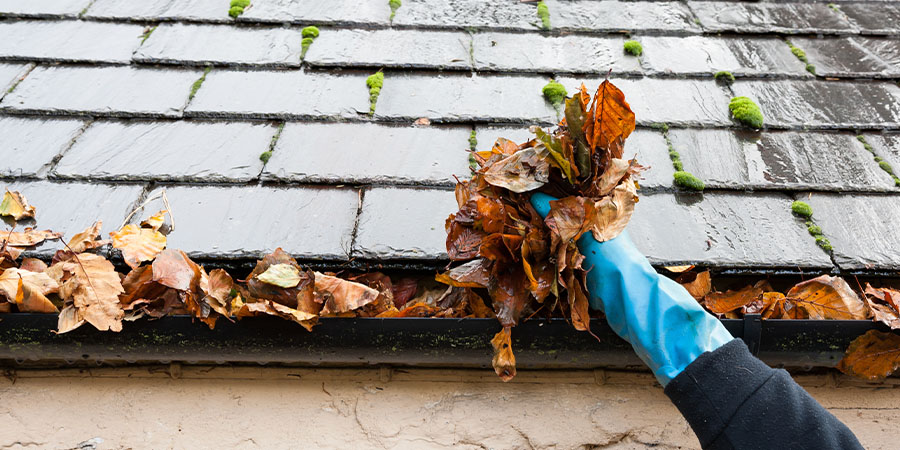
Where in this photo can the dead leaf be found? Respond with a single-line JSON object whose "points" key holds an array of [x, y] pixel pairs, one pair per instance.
{"points": [[614, 212], [523, 171], [92, 286], [721, 303], [155, 221], [341, 295], [38, 281], [609, 120], [16, 206], [471, 274], [700, 286], [872, 356], [827, 297], [216, 287], [271, 308], [29, 299], [172, 268], [281, 275], [87, 239], [33, 265], [504, 361], [138, 244], [28, 238]]}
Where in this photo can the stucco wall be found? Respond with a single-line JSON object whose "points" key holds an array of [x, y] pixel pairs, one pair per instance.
{"points": [[194, 407]]}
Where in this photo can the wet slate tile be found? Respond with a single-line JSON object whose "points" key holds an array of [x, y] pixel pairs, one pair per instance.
{"points": [[616, 16], [673, 101], [43, 8], [391, 48], [454, 98], [874, 18], [886, 146], [220, 44], [281, 94], [826, 104], [103, 91], [487, 135], [886, 49], [778, 160], [862, 228], [251, 221], [785, 17], [723, 230], [840, 57], [69, 40], [701, 55], [180, 150], [29, 145], [369, 153], [403, 223], [538, 53], [194, 10], [9, 75], [462, 14], [69, 208], [305, 12]]}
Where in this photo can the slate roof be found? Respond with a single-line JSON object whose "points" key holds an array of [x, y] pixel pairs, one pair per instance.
{"points": [[97, 115]]}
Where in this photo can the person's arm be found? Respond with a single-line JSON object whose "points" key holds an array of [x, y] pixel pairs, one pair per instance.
{"points": [[730, 398]]}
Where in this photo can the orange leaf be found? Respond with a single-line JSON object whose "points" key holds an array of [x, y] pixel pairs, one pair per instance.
{"points": [[872, 356], [30, 299], [504, 361], [611, 119], [155, 221], [699, 286], [138, 244], [721, 303], [471, 274], [341, 295], [27, 238], [828, 297], [92, 288], [87, 239]]}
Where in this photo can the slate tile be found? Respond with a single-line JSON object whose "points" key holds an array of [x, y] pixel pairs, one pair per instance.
{"points": [[778, 160], [886, 146], [487, 135], [888, 50], [43, 8], [69, 41], [220, 44], [825, 104], [160, 10], [403, 223], [616, 16], [874, 18], [862, 228], [182, 151], [102, 91], [391, 48], [369, 153], [701, 55], [538, 53], [9, 75], [251, 221], [841, 57], [462, 14], [785, 17], [454, 98], [305, 12], [69, 208], [673, 101], [722, 229], [281, 94], [29, 145]]}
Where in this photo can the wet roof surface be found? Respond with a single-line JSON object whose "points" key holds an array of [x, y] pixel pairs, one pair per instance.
{"points": [[97, 113]]}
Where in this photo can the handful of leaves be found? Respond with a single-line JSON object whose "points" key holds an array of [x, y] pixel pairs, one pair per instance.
{"points": [[526, 261]]}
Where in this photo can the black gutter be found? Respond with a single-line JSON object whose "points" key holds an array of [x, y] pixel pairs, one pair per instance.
{"points": [[27, 340]]}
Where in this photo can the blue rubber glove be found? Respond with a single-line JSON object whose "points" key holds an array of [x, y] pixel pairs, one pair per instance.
{"points": [[666, 326]]}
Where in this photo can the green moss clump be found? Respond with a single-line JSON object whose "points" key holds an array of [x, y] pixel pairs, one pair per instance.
{"points": [[473, 140], [802, 209], [236, 7], [811, 69], [634, 48], [896, 181], [798, 52], [724, 76], [196, 86], [147, 34], [823, 242], [814, 230], [264, 156], [543, 13], [664, 127], [688, 181], [555, 93], [395, 5], [310, 32], [885, 166], [833, 7], [473, 164], [861, 138], [746, 111], [374, 82]]}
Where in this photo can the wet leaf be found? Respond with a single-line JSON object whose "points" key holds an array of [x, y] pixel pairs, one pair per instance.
{"points": [[504, 361], [471, 274], [522, 171], [828, 297], [138, 244], [339, 295], [700, 286], [614, 212], [173, 269], [16, 206], [281, 275], [216, 287], [872, 356], [609, 120], [33, 265], [721, 303], [271, 308]]}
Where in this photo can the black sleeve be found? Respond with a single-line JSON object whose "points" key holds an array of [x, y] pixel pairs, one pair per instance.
{"points": [[734, 401]]}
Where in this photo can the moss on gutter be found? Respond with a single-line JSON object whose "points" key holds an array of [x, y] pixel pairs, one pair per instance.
{"points": [[374, 82], [543, 13]]}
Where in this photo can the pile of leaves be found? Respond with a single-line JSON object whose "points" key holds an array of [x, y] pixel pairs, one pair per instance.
{"points": [[524, 261]]}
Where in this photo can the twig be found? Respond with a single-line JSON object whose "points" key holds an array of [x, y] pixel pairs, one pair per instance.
{"points": [[165, 200], [141, 206]]}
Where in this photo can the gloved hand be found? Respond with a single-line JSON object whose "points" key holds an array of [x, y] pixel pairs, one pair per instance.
{"points": [[666, 326]]}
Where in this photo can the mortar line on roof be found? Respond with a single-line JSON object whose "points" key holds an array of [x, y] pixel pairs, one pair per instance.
{"points": [[356, 223], [19, 79], [51, 166], [264, 156]]}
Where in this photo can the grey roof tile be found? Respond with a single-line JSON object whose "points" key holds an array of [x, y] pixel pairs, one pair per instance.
{"points": [[888, 50], [30, 144], [281, 94], [531, 52], [703, 55], [104, 91], [723, 230], [779, 160], [182, 151], [887, 146], [43, 8], [69, 208], [69, 40], [369, 153], [784, 17], [220, 44], [862, 228], [403, 223], [874, 18], [250, 221], [487, 135], [674, 101], [338, 12], [461, 14], [194, 10], [391, 48], [841, 57], [617, 16], [455, 98], [9, 75], [824, 104]]}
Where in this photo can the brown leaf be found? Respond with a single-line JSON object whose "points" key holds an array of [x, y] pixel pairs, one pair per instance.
{"points": [[271, 308], [87, 239], [155, 221], [37, 281], [138, 244], [504, 361], [463, 242], [172, 268], [872, 356], [341, 295], [28, 238], [721, 303], [523, 171], [92, 286], [29, 299], [69, 319], [403, 290], [570, 217], [16, 206], [419, 309], [828, 297], [881, 303], [471, 274], [609, 120], [33, 265], [216, 287], [700, 286], [614, 212]]}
